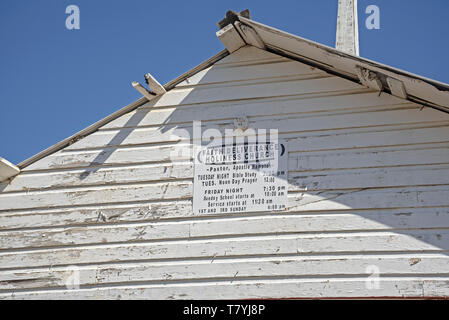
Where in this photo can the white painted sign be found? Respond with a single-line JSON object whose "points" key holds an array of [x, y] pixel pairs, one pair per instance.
{"points": [[241, 178]]}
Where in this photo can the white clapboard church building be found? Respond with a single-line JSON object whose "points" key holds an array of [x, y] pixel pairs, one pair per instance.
{"points": [[358, 205]]}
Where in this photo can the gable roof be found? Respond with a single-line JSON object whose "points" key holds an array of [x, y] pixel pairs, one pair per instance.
{"points": [[244, 31]]}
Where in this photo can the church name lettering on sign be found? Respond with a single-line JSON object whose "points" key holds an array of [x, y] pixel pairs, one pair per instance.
{"points": [[241, 178]]}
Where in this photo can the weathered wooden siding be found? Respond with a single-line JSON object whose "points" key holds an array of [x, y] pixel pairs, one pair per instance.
{"points": [[368, 186]]}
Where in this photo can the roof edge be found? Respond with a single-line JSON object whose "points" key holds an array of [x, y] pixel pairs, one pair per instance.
{"points": [[441, 85], [83, 133], [427, 92], [130, 107], [204, 65]]}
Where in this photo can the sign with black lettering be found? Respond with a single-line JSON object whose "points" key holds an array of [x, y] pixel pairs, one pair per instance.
{"points": [[240, 178]]}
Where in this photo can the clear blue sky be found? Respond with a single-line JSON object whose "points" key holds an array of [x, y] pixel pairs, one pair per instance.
{"points": [[55, 82]]}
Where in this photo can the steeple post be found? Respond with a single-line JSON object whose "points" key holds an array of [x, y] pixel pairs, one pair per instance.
{"points": [[347, 39]]}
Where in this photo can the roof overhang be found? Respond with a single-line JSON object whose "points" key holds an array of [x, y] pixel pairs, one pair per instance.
{"points": [[369, 73], [7, 169]]}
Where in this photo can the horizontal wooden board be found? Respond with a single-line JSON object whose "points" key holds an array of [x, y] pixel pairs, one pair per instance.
{"points": [[226, 226], [236, 269], [410, 197], [153, 211], [100, 176], [403, 175], [145, 116], [284, 124], [370, 178], [182, 190], [269, 70], [229, 92], [370, 158], [363, 140], [398, 287], [406, 241], [249, 55], [96, 194], [348, 139], [97, 214]]}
